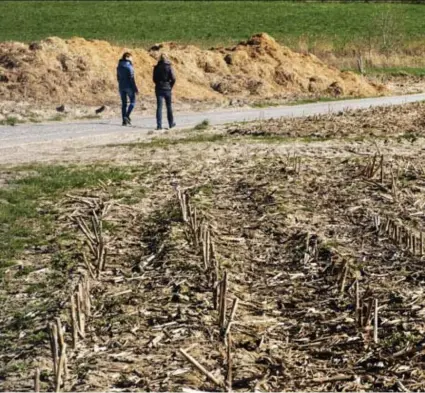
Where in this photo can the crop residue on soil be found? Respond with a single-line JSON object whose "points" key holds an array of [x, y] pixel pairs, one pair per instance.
{"points": [[294, 226], [79, 71]]}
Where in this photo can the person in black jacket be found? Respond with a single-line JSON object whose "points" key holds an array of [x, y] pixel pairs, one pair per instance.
{"points": [[164, 79]]}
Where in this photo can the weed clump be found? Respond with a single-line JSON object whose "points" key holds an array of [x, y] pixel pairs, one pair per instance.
{"points": [[9, 121], [204, 125]]}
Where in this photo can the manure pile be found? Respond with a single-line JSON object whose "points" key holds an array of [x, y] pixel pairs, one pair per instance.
{"points": [[79, 71]]}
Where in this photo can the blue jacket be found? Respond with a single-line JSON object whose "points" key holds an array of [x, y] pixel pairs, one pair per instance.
{"points": [[125, 75]]}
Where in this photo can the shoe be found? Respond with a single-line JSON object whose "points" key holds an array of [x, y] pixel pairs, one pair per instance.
{"points": [[173, 125], [158, 128], [127, 120], [124, 122]]}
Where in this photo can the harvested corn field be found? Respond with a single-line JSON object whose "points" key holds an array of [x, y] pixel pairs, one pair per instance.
{"points": [[257, 256]]}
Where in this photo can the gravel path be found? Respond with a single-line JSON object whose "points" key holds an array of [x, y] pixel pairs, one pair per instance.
{"points": [[33, 142]]}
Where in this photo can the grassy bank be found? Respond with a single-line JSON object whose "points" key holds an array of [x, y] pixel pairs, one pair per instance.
{"points": [[309, 26]]}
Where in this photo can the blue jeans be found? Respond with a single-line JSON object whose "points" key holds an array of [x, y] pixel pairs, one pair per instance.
{"points": [[160, 95], [131, 94]]}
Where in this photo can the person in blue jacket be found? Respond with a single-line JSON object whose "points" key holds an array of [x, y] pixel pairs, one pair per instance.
{"points": [[127, 86]]}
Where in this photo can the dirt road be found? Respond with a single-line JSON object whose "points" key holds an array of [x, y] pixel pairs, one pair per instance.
{"points": [[36, 142]]}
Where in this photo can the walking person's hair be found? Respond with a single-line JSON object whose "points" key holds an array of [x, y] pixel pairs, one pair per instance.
{"points": [[163, 57], [126, 56]]}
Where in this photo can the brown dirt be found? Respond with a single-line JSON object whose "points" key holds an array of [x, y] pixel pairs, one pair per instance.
{"points": [[79, 71]]}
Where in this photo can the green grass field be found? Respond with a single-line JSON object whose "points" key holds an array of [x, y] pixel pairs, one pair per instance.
{"points": [[212, 23]]}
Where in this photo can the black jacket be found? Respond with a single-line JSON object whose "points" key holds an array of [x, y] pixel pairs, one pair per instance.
{"points": [[163, 76]]}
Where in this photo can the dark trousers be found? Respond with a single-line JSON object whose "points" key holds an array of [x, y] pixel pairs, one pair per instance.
{"points": [[166, 95], [130, 93]]}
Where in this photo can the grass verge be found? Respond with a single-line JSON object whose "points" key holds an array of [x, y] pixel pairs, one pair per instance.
{"points": [[164, 143], [392, 71]]}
